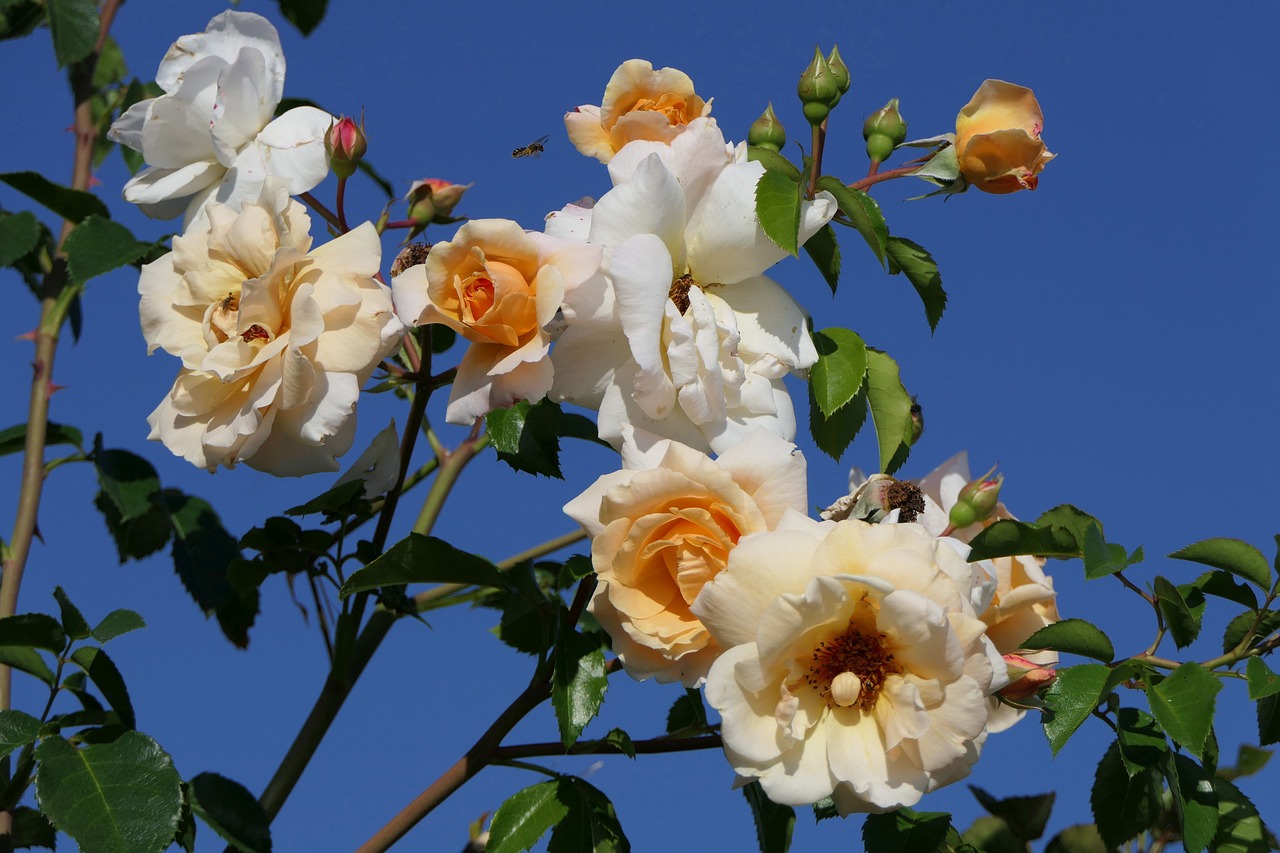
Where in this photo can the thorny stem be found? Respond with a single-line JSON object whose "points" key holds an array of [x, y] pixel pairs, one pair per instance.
{"points": [[325, 213], [53, 311]]}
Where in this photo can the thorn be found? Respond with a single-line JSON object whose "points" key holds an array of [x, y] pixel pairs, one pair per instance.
{"points": [[94, 181], [54, 387], [26, 336]]}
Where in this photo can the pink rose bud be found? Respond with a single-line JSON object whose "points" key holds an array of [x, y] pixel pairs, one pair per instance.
{"points": [[1026, 678], [977, 500], [345, 144]]}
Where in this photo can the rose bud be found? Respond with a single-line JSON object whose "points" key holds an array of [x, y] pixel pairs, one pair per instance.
{"points": [[998, 142], [841, 72], [345, 144], [432, 200], [818, 89], [767, 131], [1026, 678], [976, 501], [884, 130]]}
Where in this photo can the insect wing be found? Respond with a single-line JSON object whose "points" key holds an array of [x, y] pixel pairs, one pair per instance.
{"points": [[533, 149]]}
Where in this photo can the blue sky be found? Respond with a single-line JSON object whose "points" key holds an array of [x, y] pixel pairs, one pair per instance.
{"points": [[1109, 341]]}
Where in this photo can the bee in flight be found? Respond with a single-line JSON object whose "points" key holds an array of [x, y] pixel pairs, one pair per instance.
{"points": [[533, 149]]}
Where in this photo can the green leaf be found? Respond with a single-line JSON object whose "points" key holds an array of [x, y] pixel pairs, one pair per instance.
{"points": [[774, 823], [1123, 805], [590, 824], [1071, 699], [13, 439], [116, 623], [527, 437], [1244, 623], [1240, 828], [578, 683], [525, 817], [825, 809], [72, 620], [306, 15], [35, 630], [890, 409], [1075, 521], [686, 713], [921, 270], [1075, 637], [339, 502], [74, 24], [1249, 760], [1233, 555], [98, 245], [1100, 558], [778, 207], [139, 537], [32, 829], [1262, 681], [19, 17], [1142, 743], [110, 67], [121, 797], [824, 250], [1194, 803], [774, 162], [904, 831], [231, 811], [1183, 625], [1026, 815], [1269, 720], [422, 559], [862, 212], [17, 730], [620, 741], [992, 835], [128, 481], [27, 660], [1224, 585], [834, 434], [1183, 705], [841, 369], [19, 234], [103, 673], [1008, 538], [70, 204], [1127, 670], [1081, 838]]}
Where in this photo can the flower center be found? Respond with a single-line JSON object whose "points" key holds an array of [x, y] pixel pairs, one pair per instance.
{"points": [[255, 333], [906, 497], [679, 292], [673, 107], [850, 669], [477, 298]]}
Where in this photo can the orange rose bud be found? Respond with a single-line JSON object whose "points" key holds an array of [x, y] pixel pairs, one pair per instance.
{"points": [[998, 143], [976, 501], [432, 200], [345, 144], [1026, 678], [767, 131]]}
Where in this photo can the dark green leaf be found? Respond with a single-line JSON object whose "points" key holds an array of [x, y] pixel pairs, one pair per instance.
{"points": [[1081, 838], [1183, 705], [1075, 521], [825, 809], [17, 730], [904, 831], [32, 829], [1262, 681], [1026, 815], [231, 811], [1123, 805], [527, 437], [185, 836], [116, 623], [1224, 585], [74, 24], [1008, 538], [1183, 625], [1245, 623], [840, 371], [1127, 670], [1075, 637], [620, 741], [921, 270], [1240, 828], [103, 673], [834, 434], [1249, 760], [824, 250], [1100, 558], [98, 245], [1071, 699], [992, 835], [686, 713], [525, 817], [306, 15], [774, 823], [72, 620], [19, 17], [19, 234], [1194, 803], [422, 559], [573, 425], [862, 212], [110, 67], [339, 502], [67, 203], [1233, 555], [579, 682], [774, 162], [1142, 743], [121, 797], [13, 439], [778, 208], [35, 630], [128, 480], [890, 409], [591, 823], [1269, 720], [28, 660], [139, 537]]}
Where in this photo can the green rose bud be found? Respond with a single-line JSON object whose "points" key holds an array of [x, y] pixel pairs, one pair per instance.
{"points": [[818, 89], [884, 130], [767, 131]]}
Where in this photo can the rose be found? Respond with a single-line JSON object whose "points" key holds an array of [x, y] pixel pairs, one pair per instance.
{"points": [[499, 287], [855, 666], [663, 527], [211, 135], [998, 138], [639, 103], [275, 340]]}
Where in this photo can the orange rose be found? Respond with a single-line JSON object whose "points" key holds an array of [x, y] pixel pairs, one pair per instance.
{"points": [[639, 103], [998, 138]]}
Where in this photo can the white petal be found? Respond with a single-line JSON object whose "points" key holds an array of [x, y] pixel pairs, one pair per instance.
{"points": [[154, 185], [378, 466], [769, 322], [226, 35], [242, 108], [650, 203], [127, 130], [771, 470], [294, 147]]}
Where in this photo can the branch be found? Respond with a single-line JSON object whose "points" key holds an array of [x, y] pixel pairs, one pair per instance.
{"points": [[602, 747]]}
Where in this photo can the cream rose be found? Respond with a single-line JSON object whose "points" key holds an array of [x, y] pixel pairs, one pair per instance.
{"points": [[275, 338], [639, 103], [998, 138], [855, 666], [665, 526], [499, 287]]}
